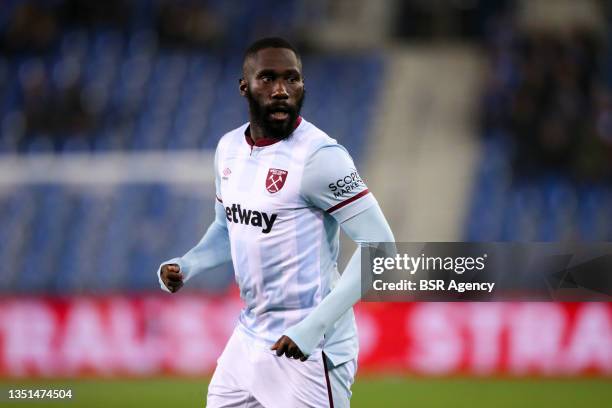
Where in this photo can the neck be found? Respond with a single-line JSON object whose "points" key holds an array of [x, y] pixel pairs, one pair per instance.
{"points": [[256, 131]]}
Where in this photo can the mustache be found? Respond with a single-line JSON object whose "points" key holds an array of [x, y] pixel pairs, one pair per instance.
{"points": [[280, 107]]}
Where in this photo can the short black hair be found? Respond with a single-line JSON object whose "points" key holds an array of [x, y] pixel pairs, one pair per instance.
{"points": [[269, 42]]}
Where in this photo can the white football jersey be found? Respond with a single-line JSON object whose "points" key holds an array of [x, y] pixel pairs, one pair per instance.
{"points": [[283, 207]]}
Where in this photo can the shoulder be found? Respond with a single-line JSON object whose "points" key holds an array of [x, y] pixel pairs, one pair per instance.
{"points": [[232, 137], [315, 141]]}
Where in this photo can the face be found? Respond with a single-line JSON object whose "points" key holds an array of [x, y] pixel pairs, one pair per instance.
{"points": [[274, 87]]}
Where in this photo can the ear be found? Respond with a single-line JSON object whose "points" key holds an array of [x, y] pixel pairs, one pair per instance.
{"points": [[243, 86]]}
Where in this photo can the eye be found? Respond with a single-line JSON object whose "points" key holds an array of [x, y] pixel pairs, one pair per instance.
{"points": [[293, 79], [266, 79]]}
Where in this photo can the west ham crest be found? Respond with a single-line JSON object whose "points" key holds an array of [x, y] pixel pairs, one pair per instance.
{"points": [[275, 180]]}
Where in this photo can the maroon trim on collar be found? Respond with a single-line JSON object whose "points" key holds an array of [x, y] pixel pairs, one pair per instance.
{"points": [[266, 141]]}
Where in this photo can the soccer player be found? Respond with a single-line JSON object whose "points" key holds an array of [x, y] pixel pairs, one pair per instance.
{"points": [[284, 188]]}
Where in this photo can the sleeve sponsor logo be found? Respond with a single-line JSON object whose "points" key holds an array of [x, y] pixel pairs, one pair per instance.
{"points": [[347, 184]]}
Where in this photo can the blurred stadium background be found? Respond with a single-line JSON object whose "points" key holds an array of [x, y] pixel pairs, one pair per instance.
{"points": [[470, 120]]}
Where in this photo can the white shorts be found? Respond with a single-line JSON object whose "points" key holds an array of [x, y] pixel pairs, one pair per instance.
{"points": [[249, 375]]}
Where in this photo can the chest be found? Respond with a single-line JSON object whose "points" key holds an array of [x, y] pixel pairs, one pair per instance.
{"points": [[261, 179]]}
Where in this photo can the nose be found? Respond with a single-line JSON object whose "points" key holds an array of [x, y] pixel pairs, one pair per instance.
{"points": [[279, 91]]}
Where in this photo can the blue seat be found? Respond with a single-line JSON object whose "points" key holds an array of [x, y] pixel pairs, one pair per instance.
{"points": [[144, 97]]}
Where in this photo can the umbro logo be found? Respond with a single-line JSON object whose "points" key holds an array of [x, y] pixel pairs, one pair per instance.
{"points": [[226, 173]]}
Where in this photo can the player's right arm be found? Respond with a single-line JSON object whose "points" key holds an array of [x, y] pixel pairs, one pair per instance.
{"points": [[212, 250]]}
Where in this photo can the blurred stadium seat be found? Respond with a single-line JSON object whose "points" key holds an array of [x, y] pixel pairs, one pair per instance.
{"points": [[107, 89], [540, 179]]}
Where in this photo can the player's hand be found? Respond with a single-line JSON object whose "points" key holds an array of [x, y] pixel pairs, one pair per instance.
{"points": [[286, 346], [172, 277]]}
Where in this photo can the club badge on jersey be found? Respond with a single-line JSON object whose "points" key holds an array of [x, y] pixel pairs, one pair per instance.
{"points": [[275, 180]]}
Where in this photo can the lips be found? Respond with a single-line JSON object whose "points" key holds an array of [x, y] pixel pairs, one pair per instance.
{"points": [[279, 113]]}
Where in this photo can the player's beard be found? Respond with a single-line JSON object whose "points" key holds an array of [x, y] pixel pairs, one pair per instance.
{"points": [[274, 129]]}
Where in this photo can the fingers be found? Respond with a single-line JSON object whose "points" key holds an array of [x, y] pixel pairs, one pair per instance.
{"points": [[172, 272], [280, 346], [174, 286], [293, 351], [172, 277], [172, 267], [286, 346]]}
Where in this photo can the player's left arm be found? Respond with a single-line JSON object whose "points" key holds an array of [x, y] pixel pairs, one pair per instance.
{"points": [[361, 218]]}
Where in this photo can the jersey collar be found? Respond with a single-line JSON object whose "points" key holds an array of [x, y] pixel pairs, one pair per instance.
{"points": [[266, 141]]}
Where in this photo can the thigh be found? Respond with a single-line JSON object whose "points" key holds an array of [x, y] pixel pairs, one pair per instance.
{"points": [[341, 379], [283, 382], [224, 392], [228, 387]]}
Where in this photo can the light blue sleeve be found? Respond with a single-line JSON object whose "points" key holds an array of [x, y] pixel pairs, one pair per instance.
{"points": [[331, 182], [212, 250], [367, 227]]}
